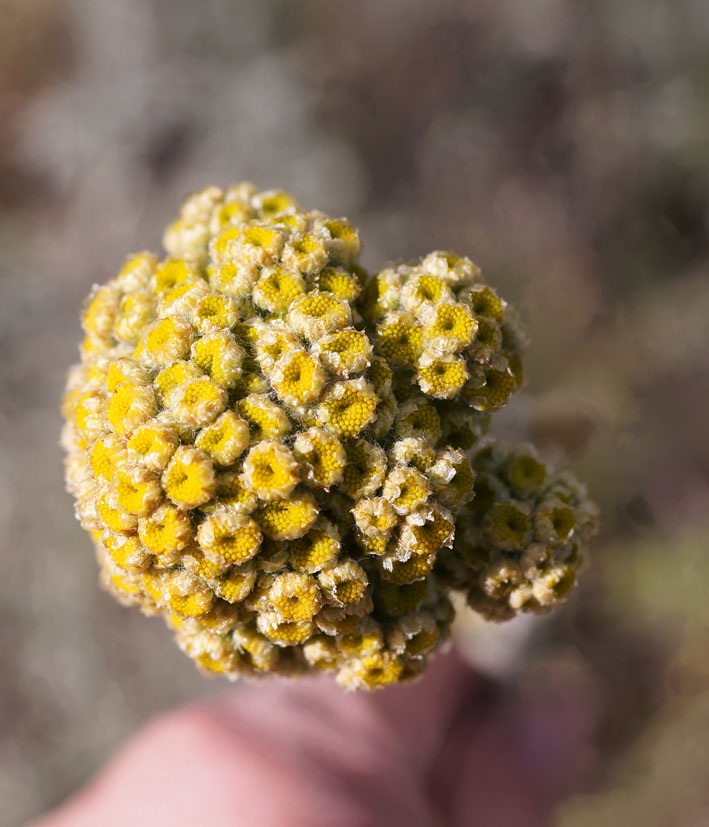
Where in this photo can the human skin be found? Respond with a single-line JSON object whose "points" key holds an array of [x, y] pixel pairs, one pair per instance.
{"points": [[453, 749]]}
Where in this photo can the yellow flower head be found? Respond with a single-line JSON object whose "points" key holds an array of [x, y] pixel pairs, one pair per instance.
{"points": [[365, 470], [297, 378], [553, 585], [170, 380], [284, 632], [130, 406], [288, 519], [394, 600], [462, 427], [414, 635], [270, 471], [113, 515], [448, 328], [504, 579], [225, 439], [277, 289], [107, 455], [221, 619], [236, 584], [189, 479], [341, 239], [345, 352], [125, 371], [345, 619], [126, 551], [214, 312], [452, 477], [338, 281], [305, 252], [554, 522], [374, 545], [138, 490], [153, 445], [136, 311], [406, 489], [270, 341], [348, 407], [274, 203], [258, 651], [418, 418], [233, 213], [343, 584], [318, 549], [488, 341], [249, 245], [187, 239], [457, 271], [273, 557], [93, 375], [233, 492], [252, 381], [508, 525], [386, 412], [265, 419], [318, 313], [492, 388], [321, 652], [136, 271], [87, 413], [193, 559], [295, 596], [379, 375], [321, 456], [381, 295], [164, 342], [198, 402], [362, 639], [372, 672], [441, 375], [416, 567], [212, 652], [182, 300], [101, 310], [166, 530], [400, 339], [483, 301], [125, 586], [173, 273], [375, 516], [425, 531], [524, 473], [186, 595], [227, 537], [425, 291], [232, 278], [414, 451]]}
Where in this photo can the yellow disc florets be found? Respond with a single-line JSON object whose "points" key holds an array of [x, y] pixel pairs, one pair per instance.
{"points": [[272, 449]]}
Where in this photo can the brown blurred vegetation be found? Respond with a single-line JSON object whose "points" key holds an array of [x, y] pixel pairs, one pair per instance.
{"points": [[562, 145]]}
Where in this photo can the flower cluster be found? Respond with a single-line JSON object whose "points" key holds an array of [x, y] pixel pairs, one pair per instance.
{"points": [[521, 543], [436, 318], [272, 450]]}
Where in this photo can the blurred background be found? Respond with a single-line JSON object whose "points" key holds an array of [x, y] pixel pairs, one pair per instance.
{"points": [[562, 144]]}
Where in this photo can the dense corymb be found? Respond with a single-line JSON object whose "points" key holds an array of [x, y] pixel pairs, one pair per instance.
{"points": [[288, 459]]}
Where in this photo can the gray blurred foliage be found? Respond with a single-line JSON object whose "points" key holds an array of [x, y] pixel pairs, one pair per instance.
{"points": [[564, 145]]}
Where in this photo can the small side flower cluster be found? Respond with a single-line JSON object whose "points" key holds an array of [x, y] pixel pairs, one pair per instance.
{"points": [[458, 338], [272, 450], [521, 543]]}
